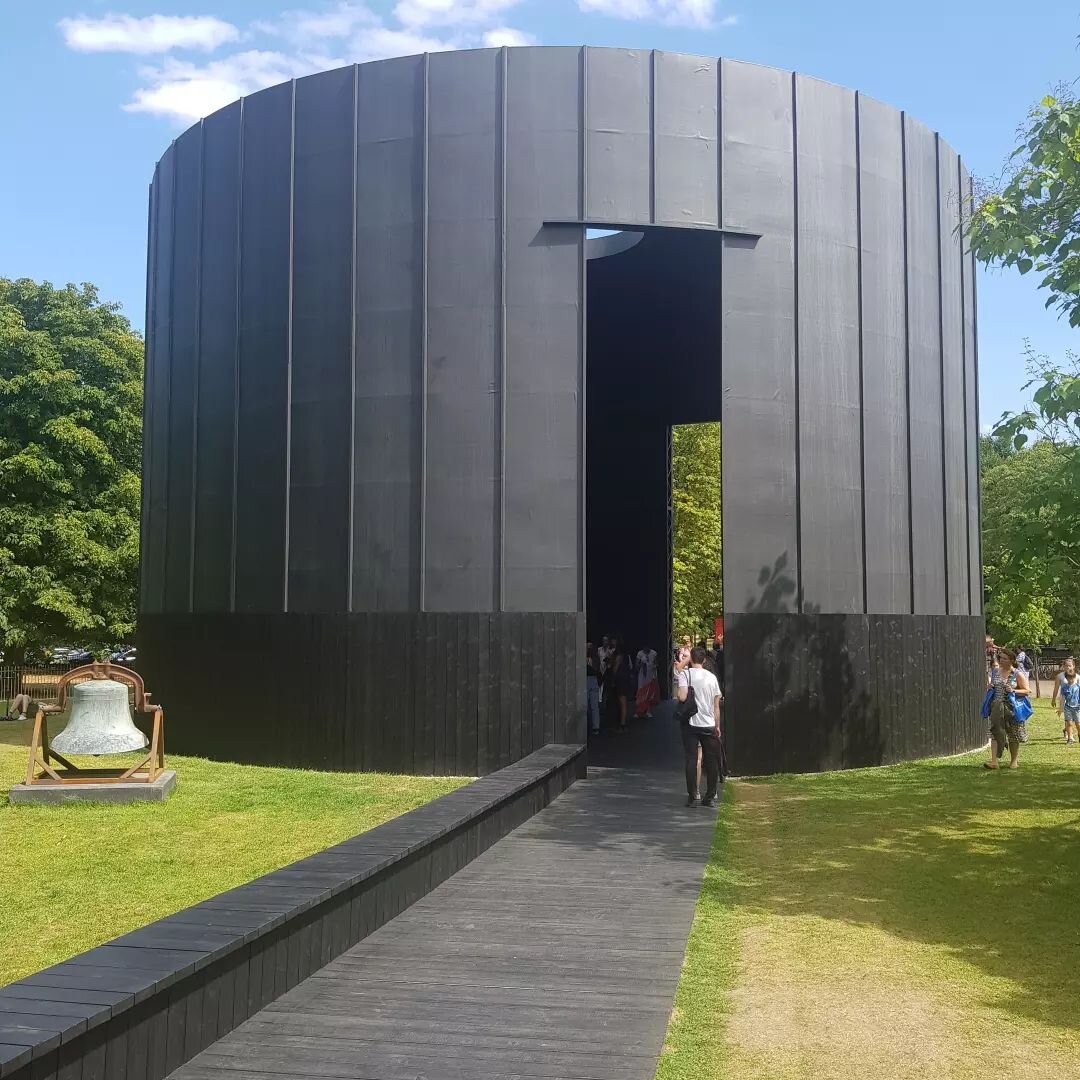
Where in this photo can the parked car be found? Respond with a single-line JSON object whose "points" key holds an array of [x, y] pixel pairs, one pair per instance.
{"points": [[124, 655]]}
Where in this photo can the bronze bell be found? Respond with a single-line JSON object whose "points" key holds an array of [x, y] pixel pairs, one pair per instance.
{"points": [[100, 721]]}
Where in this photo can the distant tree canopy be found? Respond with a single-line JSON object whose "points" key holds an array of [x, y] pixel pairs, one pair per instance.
{"points": [[698, 589], [1031, 511], [70, 448]]}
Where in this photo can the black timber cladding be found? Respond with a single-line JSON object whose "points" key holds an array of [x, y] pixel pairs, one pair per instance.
{"points": [[391, 418]]}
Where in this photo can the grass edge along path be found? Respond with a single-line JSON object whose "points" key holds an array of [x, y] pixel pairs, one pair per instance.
{"points": [[76, 876], [914, 921], [697, 1031]]}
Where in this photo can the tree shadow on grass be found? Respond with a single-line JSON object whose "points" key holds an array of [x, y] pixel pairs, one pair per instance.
{"points": [[984, 865]]}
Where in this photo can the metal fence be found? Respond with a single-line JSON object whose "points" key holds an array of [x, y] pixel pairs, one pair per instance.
{"points": [[38, 680]]}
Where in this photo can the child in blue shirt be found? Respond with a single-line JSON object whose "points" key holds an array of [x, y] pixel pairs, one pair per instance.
{"points": [[1067, 686]]}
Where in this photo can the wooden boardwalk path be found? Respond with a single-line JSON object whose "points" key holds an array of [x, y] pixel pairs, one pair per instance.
{"points": [[554, 954]]}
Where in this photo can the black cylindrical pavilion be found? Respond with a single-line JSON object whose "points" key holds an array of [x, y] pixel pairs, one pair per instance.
{"points": [[384, 370]]}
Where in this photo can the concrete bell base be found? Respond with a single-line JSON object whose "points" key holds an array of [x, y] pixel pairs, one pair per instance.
{"points": [[115, 792]]}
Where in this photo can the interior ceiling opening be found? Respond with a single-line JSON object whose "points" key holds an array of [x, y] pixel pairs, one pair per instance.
{"points": [[653, 363]]}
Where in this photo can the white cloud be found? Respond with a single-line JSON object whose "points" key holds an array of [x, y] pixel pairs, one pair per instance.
{"points": [[339, 21], [189, 91], [699, 13], [416, 13], [153, 34], [303, 41], [504, 35], [381, 42]]}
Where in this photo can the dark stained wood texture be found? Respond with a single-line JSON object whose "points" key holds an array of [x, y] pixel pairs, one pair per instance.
{"points": [[144, 1004], [806, 693], [435, 693], [556, 953]]}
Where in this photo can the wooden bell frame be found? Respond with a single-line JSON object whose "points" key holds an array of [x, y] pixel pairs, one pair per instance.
{"points": [[42, 756]]}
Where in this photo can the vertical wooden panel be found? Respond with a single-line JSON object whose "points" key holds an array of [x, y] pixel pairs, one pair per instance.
{"points": [[971, 404], [390, 195], [512, 627], [468, 678], [218, 270], [322, 343], [829, 386], [884, 343], [443, 624], [464, 341], [183, 360], [618, 137], [952, 361], [262, 423], [427, 716], [159, 332], [685, 139], [759, 410], [924, 370], [543, 332], [485, 702]]}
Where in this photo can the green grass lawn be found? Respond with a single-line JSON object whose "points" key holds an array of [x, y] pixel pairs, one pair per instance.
{"points": [[916, 921], [76, 876]]}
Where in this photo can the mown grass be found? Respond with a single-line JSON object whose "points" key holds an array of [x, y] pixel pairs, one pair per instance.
{"points": [[76, 876], [916, 921]]}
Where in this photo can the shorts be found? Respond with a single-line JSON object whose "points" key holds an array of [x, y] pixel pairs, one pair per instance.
{"points": [[1072, 714]]}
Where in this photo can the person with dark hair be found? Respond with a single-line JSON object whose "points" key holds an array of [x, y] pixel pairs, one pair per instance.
{"points": [[592, 687], [701, 731], [622, 666], [1009, 684]]}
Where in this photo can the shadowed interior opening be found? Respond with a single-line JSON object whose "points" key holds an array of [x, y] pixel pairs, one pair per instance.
{"points": [[653, 362]]}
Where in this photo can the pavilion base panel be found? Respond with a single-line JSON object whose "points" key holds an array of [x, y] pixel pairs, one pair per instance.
{"points": [[808, 693], [441, 694], [467, 693]]}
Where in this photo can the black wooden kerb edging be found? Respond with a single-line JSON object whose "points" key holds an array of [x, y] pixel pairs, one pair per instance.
{"points": [[143, 1004]]}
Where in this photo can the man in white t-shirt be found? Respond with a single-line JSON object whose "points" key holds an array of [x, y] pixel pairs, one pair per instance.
{"points": [[703, 728]]}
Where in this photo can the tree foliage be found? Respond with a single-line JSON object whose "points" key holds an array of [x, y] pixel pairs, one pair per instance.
{"points": [[1031, 510], [1031, 218], [70, 448], [697, 580], [1029, 578]]}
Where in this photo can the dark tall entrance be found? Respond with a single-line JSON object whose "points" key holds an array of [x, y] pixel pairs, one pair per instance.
{"points": [[653, 362]]}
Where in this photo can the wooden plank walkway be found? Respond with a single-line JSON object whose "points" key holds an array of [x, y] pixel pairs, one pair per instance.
{"points": [[554, 954]]}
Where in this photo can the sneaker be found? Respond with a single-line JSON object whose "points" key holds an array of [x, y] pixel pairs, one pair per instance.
{"points": [[691, 800], [708, 802]]}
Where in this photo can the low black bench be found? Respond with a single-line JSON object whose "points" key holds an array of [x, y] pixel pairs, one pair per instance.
{"points": [[143, 1004]]}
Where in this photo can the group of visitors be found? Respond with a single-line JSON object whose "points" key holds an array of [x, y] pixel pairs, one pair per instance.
{"points": [[614, 678], [1008, 701]]}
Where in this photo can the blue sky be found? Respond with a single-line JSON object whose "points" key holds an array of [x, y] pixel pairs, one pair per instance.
{"points": [[94, 91]]}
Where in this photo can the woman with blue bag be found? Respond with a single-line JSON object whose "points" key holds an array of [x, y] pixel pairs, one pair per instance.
{"points": [[1007, 707]]}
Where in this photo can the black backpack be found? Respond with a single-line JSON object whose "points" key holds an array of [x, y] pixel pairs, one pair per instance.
{"points": [[685, 710]]}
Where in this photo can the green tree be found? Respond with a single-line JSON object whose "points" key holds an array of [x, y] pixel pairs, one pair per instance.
{"points": [[70, 448], [1029, 578], [697, 580], [1030, 218]]}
